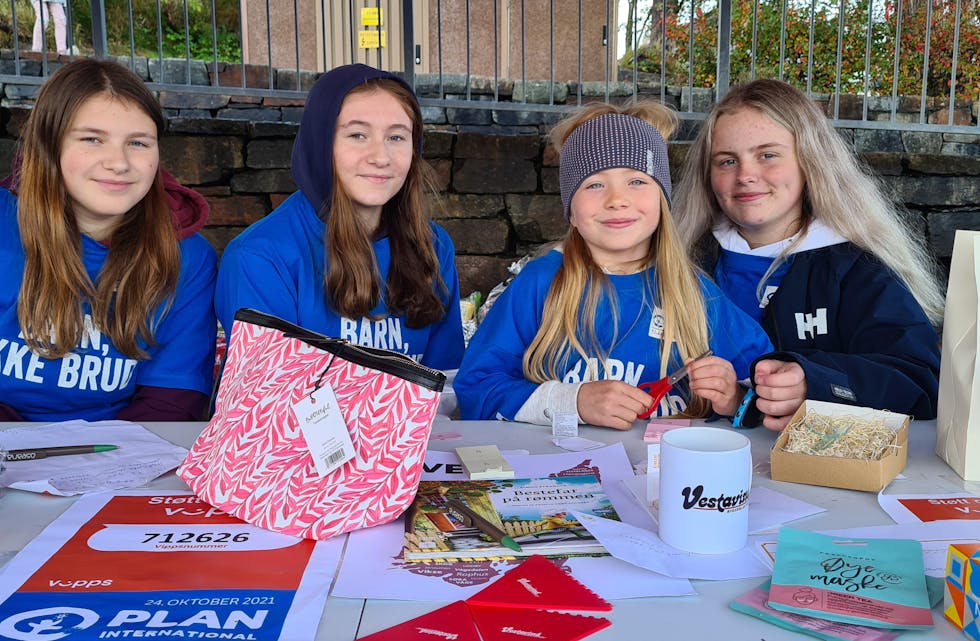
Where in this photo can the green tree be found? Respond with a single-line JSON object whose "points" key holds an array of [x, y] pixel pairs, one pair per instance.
{"points": [[782, 47], [170, 29], [915, 18]]}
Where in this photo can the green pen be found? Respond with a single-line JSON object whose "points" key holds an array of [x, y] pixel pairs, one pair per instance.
{"points": [[64, 450], [472, 519]]}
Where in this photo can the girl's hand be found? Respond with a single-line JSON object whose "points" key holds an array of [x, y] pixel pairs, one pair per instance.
{"points": [[713, 379], [612, 404], [781, 387]]}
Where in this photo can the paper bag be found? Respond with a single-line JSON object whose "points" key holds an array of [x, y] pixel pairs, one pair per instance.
{"points": [[958, 422]]}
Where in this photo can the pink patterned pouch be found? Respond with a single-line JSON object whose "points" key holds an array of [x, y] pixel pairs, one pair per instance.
{"points": [[252, 459]]}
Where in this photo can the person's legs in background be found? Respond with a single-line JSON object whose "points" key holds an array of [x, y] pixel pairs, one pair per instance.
{"points": [[57, 12], [41, 18], [46, 13]]}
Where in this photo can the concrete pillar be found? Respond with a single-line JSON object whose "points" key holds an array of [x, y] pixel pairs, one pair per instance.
{"points": [[272, 27], [536, 39], [515, 39]]}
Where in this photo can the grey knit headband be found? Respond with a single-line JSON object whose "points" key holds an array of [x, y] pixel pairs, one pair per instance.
{"points": [[609, 141]]}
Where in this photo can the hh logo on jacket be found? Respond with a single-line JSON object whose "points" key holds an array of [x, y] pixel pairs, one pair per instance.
{"points": [[810, 325]]}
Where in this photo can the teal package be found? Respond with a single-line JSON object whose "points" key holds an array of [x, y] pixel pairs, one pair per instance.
{"points": [[753, 603], [874, 582]]}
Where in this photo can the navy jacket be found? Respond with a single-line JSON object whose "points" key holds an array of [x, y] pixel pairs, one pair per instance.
{"points": [[855, 329]]}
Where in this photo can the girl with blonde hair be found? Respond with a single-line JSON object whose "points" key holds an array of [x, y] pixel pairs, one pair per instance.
{"points": [[107, 302], [618, 304], [776, 207]]}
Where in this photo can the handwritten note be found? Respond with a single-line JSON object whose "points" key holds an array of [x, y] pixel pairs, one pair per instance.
{"points": [[142, 456]]}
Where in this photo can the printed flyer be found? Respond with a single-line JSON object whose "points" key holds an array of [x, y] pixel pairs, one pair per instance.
{"points": [[163, 565], [504, 518], [374, 566]]}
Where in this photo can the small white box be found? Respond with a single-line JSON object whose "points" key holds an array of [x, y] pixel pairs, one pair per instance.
{"points": [[484, 462]]}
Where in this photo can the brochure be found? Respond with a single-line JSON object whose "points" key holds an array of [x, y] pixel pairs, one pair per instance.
{"points": [[511, 518]]}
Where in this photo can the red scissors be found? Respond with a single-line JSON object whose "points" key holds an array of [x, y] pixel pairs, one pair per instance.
{"points": [[659, 389]]}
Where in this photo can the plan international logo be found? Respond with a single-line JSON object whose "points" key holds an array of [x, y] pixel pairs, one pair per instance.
{"points": [[48, 624], [52, 624]]}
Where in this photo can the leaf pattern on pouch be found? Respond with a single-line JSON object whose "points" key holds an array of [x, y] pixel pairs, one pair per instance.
{"points": [[251, 460]]}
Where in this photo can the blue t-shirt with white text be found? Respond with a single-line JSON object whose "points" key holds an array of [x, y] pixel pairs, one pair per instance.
{"points": [[277, 266], [95, 381]]}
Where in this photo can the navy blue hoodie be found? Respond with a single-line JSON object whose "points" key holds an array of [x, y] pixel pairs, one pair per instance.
{"points": [[313, 173]]}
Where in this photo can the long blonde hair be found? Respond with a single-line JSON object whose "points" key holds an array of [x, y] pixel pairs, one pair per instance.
{"points": [[839, 190], [143, 264], [567, 325]]}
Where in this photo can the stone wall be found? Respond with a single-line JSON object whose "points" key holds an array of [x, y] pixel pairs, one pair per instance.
{"points": [[497, 178]]}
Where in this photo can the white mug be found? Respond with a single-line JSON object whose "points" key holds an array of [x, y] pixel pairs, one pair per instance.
{"points": [[705, 478]]}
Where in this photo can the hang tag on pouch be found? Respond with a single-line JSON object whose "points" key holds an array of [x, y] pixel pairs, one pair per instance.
{"points": [[324, 429]]}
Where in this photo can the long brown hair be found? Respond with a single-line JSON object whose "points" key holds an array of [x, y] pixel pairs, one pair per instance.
{"points": [[143, 263], [839, 190], [574, 295], [353, 281]]}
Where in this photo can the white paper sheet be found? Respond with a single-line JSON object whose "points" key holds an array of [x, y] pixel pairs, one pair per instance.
{"points": [[373, 568], [644, 549], [768, 509], [576, 443], [142, 456], [936, 537]]}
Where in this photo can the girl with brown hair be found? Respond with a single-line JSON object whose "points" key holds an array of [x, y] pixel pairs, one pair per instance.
{"points": [[106, 310], [352, 254]]}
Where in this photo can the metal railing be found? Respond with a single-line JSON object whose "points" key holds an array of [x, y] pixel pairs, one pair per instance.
{"points": [[900, 64]]}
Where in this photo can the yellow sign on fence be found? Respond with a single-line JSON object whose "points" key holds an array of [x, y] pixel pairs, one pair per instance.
{"points": [[372, 39], [372, 17]]}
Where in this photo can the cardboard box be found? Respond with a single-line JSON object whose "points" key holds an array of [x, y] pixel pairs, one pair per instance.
{"points": [[832, 471], [960, 605]]}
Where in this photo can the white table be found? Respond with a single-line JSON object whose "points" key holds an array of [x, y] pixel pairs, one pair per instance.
{"points": [[706, 616]]}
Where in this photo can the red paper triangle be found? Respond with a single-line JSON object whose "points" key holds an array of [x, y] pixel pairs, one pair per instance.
{"points": [[512, 624], [537, 583], [450, 622]]}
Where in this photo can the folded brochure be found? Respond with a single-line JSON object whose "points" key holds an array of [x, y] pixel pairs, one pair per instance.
{"points": [[504, 518]]}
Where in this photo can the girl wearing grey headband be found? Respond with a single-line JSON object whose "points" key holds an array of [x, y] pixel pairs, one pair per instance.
{"points": [[618, 304]]}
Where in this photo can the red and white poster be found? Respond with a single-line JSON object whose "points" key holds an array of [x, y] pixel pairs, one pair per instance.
{"points": [[165, 564], [924, 508]]}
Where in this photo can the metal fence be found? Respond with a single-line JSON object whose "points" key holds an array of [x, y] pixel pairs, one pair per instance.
{"points": [[898, 64]]}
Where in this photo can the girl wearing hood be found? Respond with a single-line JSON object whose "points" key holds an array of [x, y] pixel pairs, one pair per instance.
{"points": [[780, 212], [352, 254], [106, 308]]}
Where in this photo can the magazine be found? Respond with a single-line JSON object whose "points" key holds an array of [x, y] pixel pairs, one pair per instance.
{"points": [[452, 520]]}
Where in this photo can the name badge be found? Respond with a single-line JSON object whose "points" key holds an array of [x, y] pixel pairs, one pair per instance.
{"points": [[656, 329], [564, 425]]}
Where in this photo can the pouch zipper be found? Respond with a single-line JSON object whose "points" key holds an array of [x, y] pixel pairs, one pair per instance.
{"points": [[381, 359]]}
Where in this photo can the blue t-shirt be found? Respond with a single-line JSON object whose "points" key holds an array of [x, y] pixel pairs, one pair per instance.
{"points": [[277, 266], [739, 275], [491, 384], [96, 381]]}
